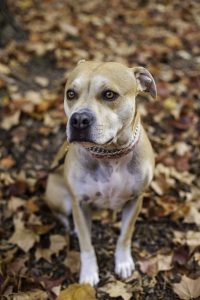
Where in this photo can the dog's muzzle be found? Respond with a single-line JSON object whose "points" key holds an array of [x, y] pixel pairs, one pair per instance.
{"points": [[100, 152], [80, 124]]}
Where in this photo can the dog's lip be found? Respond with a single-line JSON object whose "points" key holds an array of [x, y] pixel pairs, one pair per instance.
{"points": [[93, 145], [89, 144], [108, 142]]}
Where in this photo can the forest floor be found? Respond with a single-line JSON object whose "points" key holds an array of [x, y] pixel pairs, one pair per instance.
{"points": [[38, 258]]}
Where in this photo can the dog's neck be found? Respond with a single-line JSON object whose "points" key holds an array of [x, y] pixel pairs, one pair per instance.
{"points": [[115, 152]]}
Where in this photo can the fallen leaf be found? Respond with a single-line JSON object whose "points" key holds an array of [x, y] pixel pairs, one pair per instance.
{"points": [[68, 28], [193, 216], [77, 292], [57, 243], [181, 255], [32, 205], [24, 238], [4, 69], [7, 162], [18, 266], [156, 187], [190, 238], [173, 41], [170, 103], [117, 289], [14, 203], [72, 261], [197, 258], [29, 295], [181, 148], [10, 121], [155, 264], [33, 97], [188, 288], [42, 81]]}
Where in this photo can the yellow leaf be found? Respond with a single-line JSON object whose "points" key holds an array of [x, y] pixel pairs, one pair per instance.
{"points": [[25, 4], [188, 288], [170, 103], [78, 292]]}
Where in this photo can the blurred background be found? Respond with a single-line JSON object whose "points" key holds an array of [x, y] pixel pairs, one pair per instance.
{"points": [[40, 42]]}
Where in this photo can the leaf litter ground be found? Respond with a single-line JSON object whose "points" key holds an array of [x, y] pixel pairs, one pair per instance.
{"points": [[39, 258]]}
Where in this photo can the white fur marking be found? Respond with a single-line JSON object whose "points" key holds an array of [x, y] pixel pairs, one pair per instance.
{"points": [[124, 264], [89, 269]]}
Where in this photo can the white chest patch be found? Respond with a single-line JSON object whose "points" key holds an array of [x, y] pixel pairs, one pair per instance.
{"points": [[109, 185]]}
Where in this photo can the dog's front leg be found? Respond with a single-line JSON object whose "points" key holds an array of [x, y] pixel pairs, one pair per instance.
{"points": [[124, 264], [89, 269]]}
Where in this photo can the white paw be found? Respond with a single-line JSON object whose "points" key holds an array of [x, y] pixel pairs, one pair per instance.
{"points": [[89, 269], [89, 277], [124, 265]]}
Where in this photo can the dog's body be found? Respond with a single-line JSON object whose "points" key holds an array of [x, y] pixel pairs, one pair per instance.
{"points": [[109, 159]]}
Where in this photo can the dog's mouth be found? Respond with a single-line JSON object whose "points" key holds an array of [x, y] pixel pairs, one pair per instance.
{"points": [[103, 152]]}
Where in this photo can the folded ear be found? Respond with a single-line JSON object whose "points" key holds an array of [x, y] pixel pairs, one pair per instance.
{"points": [[145, 81]]}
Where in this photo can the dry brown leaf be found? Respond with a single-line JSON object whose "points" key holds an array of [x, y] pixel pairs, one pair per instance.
{"points": [[4, 69], [78, 292], [72, 261], [182, 148], [188, 288], [14, 203], [193, 216], [30, 295], [33, 97], [24, 238], [155, 264], [117, 289], [190, 238], [7, 162], [173, 41], [11, 120], [197, 258], [42, 81], [156, 187], [68, 28], [57, 243], [43, 253], [32, 205], [39, 228]]}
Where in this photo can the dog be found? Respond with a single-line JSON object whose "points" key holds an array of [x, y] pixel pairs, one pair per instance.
{"points": [[108, 158]]}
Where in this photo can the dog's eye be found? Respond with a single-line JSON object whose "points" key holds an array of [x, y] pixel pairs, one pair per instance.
{"points": [[109, 95], [71, 94]]}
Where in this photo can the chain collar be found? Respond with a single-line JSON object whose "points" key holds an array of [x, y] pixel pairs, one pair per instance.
{"points": [[101, 152]]}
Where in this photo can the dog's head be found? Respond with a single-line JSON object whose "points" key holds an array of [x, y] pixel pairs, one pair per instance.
{"points": [[100, 100]]}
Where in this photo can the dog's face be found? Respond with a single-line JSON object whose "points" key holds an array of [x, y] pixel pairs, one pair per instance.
{"points": [[100, 100]]}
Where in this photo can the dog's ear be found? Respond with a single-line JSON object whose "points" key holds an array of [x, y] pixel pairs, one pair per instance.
{"points": [[145, 81]]}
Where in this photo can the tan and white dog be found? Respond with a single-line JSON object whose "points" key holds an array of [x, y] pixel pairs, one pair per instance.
{"points": [[109, 160]]}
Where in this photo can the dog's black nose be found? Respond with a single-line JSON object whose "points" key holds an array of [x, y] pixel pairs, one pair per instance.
{"points": [[81, 120]]}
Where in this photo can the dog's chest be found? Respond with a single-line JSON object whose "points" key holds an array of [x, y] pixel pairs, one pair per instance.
{"points": [[108, 185]]}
